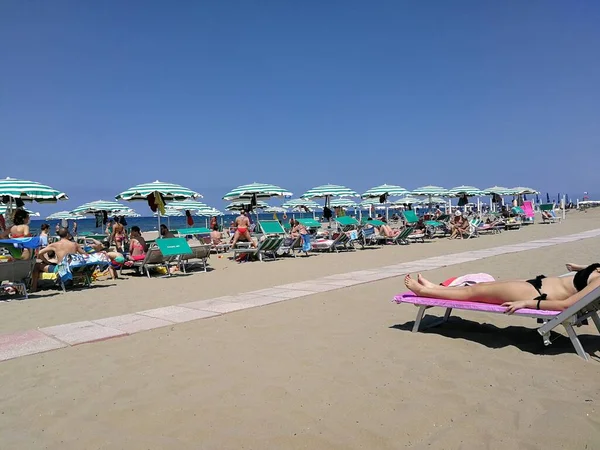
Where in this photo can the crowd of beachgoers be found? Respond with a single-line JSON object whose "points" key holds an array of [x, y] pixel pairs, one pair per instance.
{"points": [[118, 247]]}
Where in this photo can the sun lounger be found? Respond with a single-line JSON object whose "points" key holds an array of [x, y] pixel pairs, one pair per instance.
{"points": [[528, 212], [268, 247], [410, 217], [585, 308], [310, 223], [341, 242], [154, 258], [14, 276], [549, 208], [200, 252], [347, 223]]}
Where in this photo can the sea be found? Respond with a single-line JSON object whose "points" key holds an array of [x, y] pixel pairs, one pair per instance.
{"points": [[174, 223]]}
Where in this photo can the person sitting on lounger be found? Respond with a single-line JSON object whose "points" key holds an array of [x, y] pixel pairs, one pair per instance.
{"points": [[546, 215], [387, 231], [541, 292], [20, 229], [165, 232], [297, 229], [459, 226], [59, 250], [137, 245], [242, 231], [216, 237]]}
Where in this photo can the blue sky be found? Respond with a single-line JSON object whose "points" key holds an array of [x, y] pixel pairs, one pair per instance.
{"points": [[99, 96]]}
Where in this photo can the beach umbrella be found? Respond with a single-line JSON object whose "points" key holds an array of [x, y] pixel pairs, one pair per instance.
{"points": [[64, 215], [168, 191], [547, 197], [99, 206], [329, 190], [469, 191], [29, 191], [300, 203], [14, 189], [238, 206], [384, 190], [406, 201], [274, 209], [342, 203], [4, 208], [537, 199], [520, 190], [430, 192], [256, 191], [128, 212], [390, 189], [186, 205]]}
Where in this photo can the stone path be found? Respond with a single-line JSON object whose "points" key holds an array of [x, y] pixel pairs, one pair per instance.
{"points": [[29, 342]]}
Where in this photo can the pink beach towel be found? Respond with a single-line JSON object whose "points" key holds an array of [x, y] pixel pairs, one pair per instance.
{"points": [[409, 297]]}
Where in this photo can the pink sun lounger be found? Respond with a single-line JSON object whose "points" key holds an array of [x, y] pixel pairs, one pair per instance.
{"points": [[575, 315]]}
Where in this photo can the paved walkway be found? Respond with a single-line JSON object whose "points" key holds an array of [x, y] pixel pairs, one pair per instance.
{"points": [[29, 342]]}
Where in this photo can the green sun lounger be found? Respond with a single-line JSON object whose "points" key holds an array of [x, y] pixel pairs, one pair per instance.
{"points": [[267, 247], [410, 217], [310, 223], [271, 227]]}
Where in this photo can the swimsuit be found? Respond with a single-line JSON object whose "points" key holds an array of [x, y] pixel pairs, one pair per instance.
{"points": [[242, 230], [537, 284], [580, 280]]}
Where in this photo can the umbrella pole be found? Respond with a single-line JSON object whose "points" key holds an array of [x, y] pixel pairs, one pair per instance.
{"points": [[158, 218]]}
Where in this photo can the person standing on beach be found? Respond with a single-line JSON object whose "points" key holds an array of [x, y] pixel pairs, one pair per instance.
{"points": [[242, 230]]}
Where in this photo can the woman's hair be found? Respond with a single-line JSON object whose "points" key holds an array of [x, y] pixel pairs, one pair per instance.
{"points": [[45, 227], [136, 229], [20, 217]]}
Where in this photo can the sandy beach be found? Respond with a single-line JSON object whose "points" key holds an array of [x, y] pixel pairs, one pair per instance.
{"points": [[332, 370]]}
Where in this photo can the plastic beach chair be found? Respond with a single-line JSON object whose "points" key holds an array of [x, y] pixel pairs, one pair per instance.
{"points": [[267, 247], [575, 315]]}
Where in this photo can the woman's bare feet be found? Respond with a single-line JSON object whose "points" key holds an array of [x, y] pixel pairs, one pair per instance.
{"points": [[424, 282], [413, 285]]}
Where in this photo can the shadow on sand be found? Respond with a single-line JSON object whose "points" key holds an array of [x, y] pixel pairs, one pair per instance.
{"points": [[525, 339]]}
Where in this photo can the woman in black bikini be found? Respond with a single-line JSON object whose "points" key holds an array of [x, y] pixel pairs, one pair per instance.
{"points": [[550, 293]]}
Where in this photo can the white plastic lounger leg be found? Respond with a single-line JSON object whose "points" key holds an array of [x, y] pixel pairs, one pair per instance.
{"points": [[575, 341], [419, 317]]}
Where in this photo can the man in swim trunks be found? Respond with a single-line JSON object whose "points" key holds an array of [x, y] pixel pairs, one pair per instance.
{"points": [[242, 232], [60, 249]]}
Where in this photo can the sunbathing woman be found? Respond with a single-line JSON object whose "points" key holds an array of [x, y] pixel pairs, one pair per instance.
{"points": [[387, 231], [552, 293]]}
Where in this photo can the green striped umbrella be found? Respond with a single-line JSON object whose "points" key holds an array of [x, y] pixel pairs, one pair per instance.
{"points": [[29, 191], [208, 211], [189, 205], [329, 190], [342, 203], [300, 203], [64, 215], [238, 206], [169, 191], [258, 190], [99, 206], [523, 190], [500, 190], [430, 191], [275, 209], [465, 190], [406, 201], [3, 209], [390, 189], [169, 212]]}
